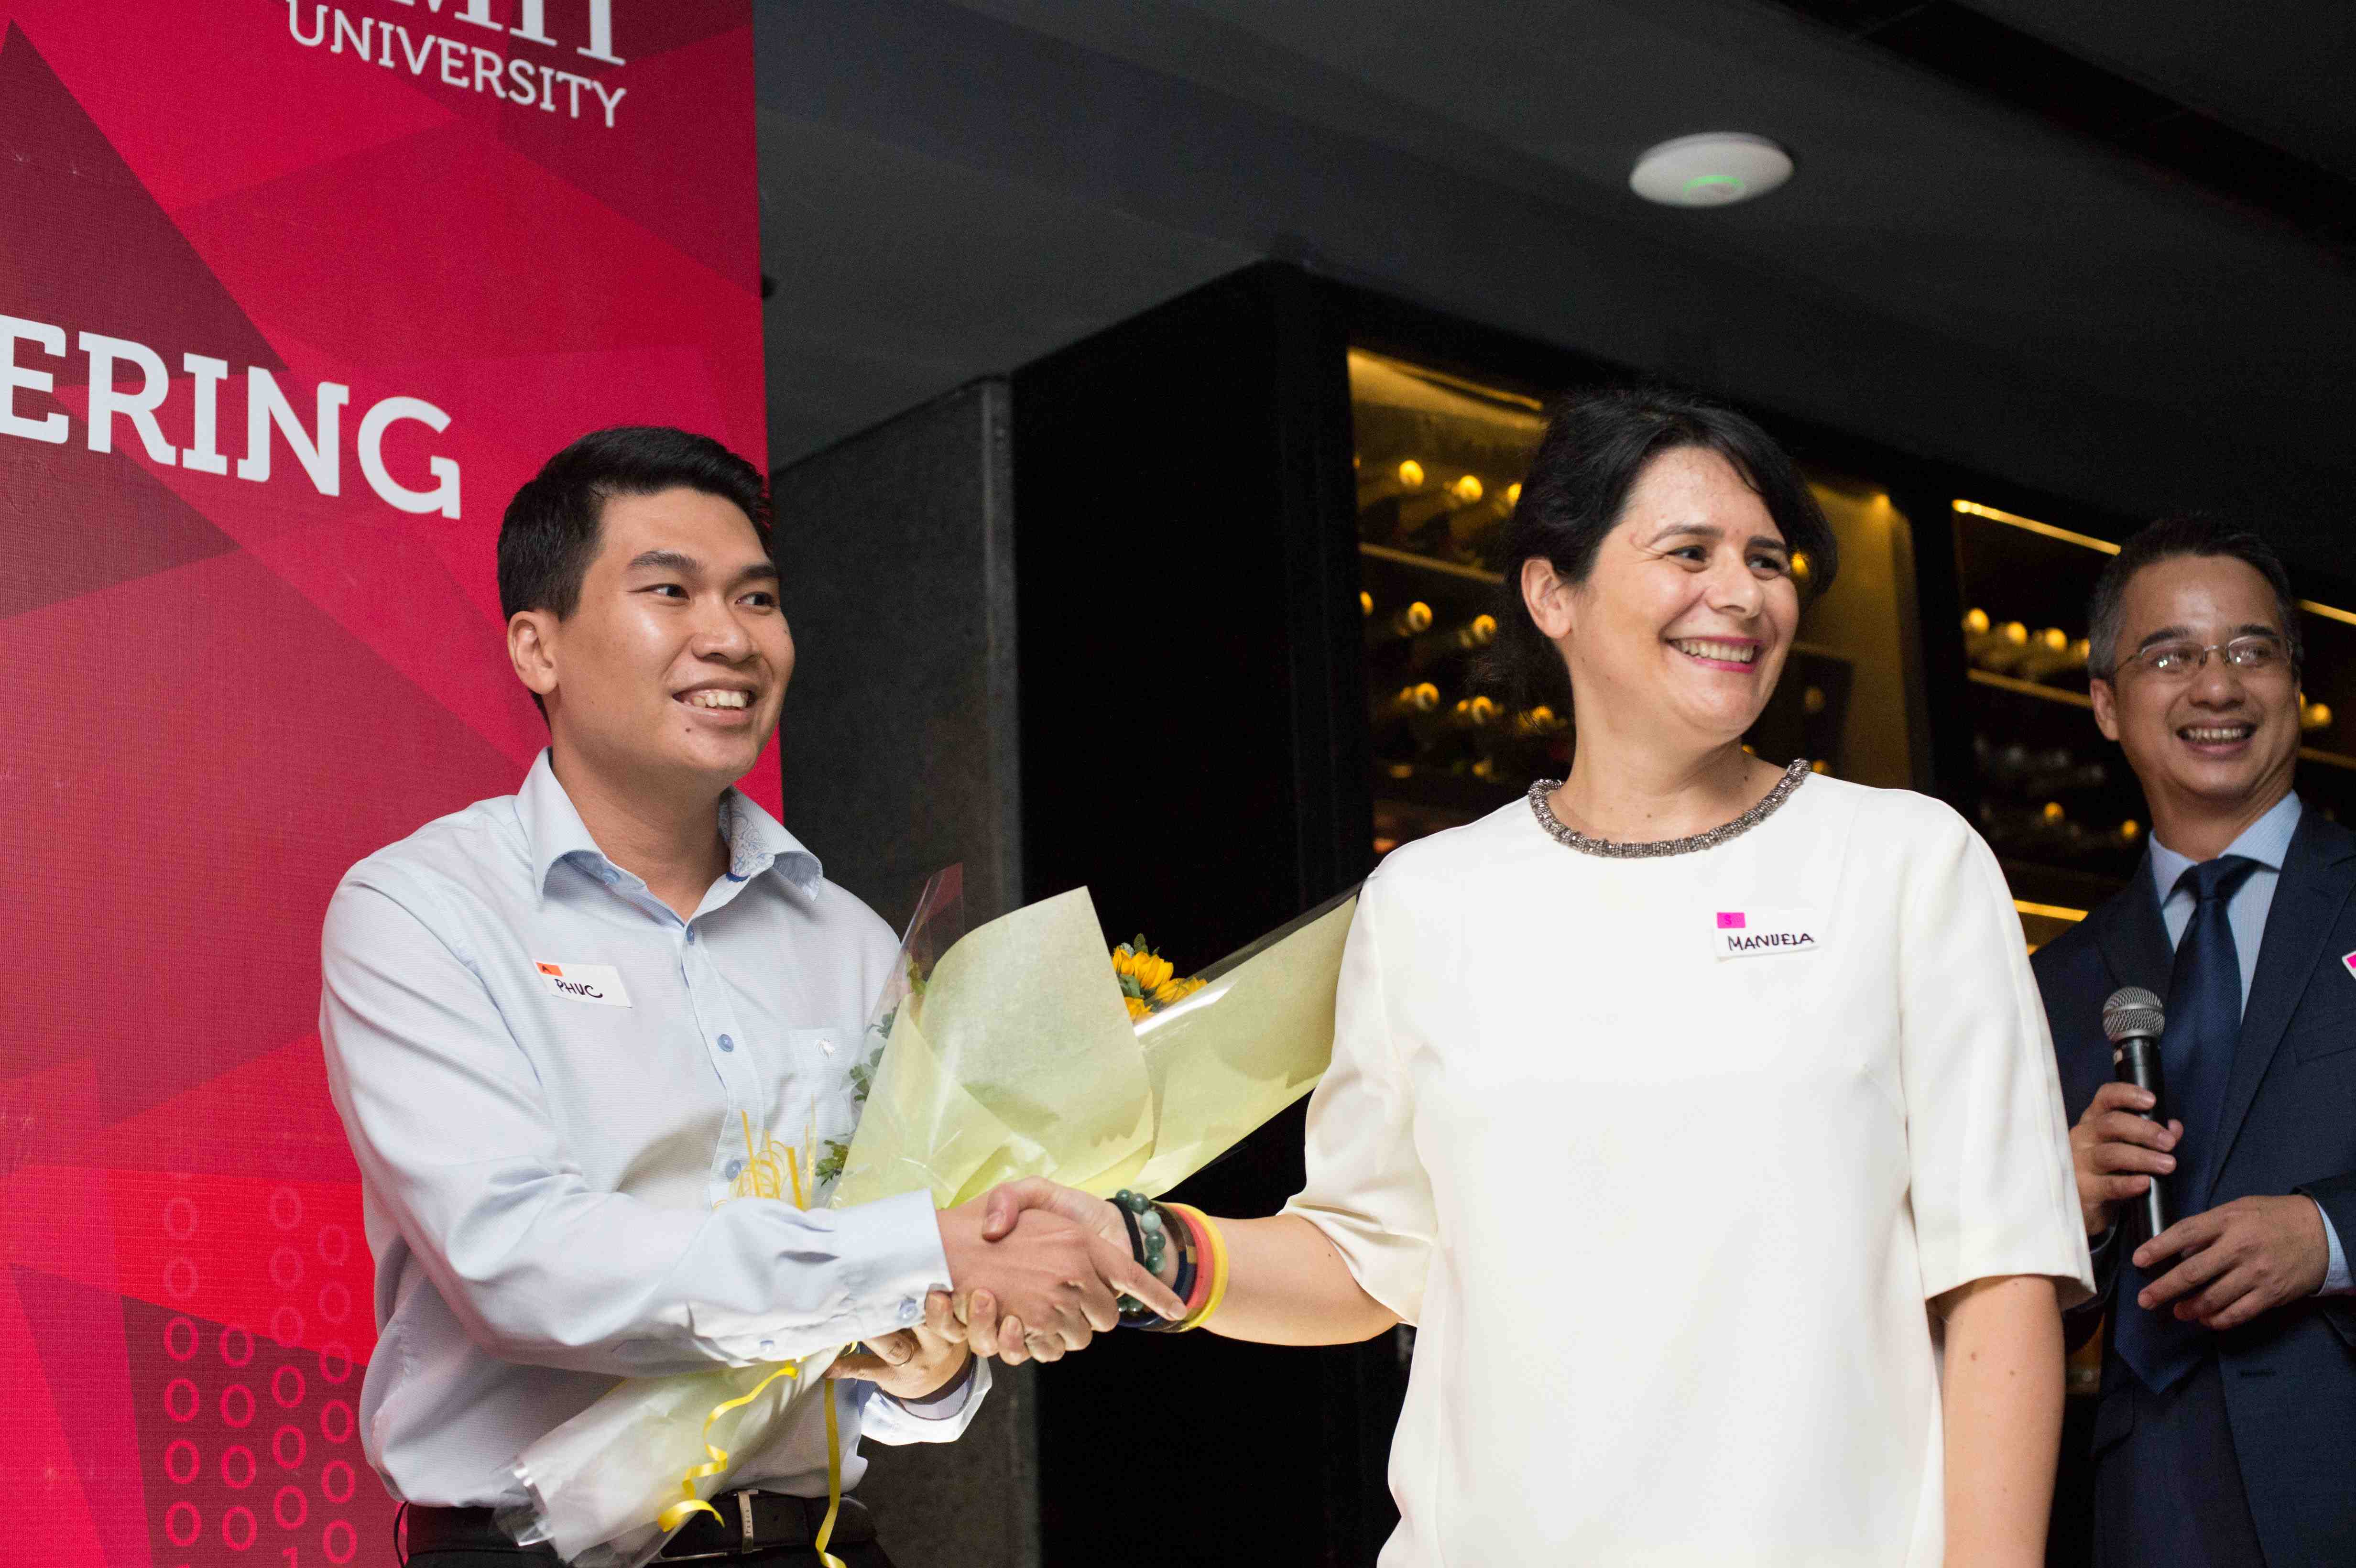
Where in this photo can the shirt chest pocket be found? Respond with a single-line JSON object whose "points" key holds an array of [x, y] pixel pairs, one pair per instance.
{"points": [[814, 1099]]}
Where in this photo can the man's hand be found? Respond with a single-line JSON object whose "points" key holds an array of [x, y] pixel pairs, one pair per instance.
{"points": [[994, 1327], [2240, 1259], [2117, 1153], [913, 1362], [1055, 1277]]}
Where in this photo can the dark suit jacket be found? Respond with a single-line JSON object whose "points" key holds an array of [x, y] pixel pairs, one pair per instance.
{"points": [[2288, 1125]]}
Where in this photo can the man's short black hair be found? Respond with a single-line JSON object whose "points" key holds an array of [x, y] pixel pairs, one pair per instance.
{"points": [[549, 536], [2165, 540]]}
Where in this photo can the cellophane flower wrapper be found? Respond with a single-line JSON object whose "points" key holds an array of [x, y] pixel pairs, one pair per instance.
{"points": [[1010, 1054], [1020, 1059], [598, 1482]]}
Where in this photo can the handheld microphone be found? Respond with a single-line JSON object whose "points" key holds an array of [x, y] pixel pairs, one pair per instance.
{"points": [[2133, 1020]]}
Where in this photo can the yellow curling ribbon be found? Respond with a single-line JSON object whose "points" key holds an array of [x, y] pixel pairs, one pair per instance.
{"points": [[767, 1174], [764, 1172], [833, 1489], [689, 1505]]}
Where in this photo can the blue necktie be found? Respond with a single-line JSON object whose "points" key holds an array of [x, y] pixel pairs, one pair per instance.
{"points": [[2196, 1058]]}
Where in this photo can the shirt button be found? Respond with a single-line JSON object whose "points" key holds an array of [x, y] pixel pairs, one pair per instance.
{"points": [[726, 1043], [910, 1312], [767, 1346], [736, 1168], [691, 933]]}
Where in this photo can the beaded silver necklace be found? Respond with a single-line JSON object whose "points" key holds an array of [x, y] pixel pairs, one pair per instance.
{"points": [[1572, 839]]}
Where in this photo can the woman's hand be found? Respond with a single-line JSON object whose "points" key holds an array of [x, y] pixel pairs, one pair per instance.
{"points": [[914, 1362]]}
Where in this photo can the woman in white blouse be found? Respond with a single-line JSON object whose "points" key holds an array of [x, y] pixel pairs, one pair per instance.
{"points": [[1690, 1108]]}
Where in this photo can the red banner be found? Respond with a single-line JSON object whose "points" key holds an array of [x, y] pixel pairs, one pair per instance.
{"points": [[293, 296]]}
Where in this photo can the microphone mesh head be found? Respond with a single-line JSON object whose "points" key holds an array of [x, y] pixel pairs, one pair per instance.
{"points": [[2132, 1010]]}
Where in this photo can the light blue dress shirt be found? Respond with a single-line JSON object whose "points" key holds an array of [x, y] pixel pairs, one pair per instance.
{"points": [[2266, 841], [549, 1079]]}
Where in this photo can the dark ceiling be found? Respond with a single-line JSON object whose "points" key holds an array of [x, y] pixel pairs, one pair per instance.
{"points": [[2246, 150], [2279, 70], [1951, 269]]}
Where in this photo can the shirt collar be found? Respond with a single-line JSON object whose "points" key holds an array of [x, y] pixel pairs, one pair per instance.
{"points": [[758, 842], [555, 833], [2266, 841]]}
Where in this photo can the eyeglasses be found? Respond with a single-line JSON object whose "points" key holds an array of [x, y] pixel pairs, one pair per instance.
{"points": [[2257, 654]]}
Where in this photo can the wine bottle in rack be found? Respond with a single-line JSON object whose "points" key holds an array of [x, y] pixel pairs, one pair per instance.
{"points": [[1409, 621], [1449, 642], [1401, 718], [2051, 652], [1475, 712], [1443, 522], [1404, 477], [1991, 645], [1440, 500]]}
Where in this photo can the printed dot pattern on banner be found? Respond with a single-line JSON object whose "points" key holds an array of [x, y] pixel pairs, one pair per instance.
{"points": [[249, 1430]]}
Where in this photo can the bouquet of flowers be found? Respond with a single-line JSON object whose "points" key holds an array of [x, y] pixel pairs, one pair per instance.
{"points": [[1013, 1050]]}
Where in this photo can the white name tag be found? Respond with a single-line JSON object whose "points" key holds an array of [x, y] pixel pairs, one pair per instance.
{"points": [[1753, 930], [598, 983]]}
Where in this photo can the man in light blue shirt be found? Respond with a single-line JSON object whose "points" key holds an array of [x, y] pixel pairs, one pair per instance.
{"points": [[2224, 1435], [563, 1027]]}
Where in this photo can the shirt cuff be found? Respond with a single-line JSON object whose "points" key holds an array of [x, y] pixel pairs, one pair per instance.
{"points": [[2103, 1254], [945, 1402], [941, 1417], [2335, 1280], [892, 1248], [878, 1262]]}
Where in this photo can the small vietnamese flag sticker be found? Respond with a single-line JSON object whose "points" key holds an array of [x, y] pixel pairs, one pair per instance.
{"points": [[598, 983], [1730, 919]]}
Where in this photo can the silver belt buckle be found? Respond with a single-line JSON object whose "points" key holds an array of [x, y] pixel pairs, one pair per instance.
{"points": [[744, 1527]]}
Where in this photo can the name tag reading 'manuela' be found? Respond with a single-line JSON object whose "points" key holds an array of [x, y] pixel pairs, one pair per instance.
{"points": [[598, 983], [1752, 931]]}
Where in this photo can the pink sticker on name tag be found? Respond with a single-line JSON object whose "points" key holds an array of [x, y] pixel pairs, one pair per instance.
{"points": [[1748, 932], [2348, 959]]}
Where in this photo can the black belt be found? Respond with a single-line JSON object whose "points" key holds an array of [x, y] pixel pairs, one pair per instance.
{"points": [[749, 1521]]}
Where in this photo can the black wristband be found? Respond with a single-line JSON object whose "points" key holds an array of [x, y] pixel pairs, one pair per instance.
{"points": [[1136, 1236]]}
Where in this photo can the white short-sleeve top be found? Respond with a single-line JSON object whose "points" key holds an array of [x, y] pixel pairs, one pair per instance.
{"points": [[1665, 1158]]}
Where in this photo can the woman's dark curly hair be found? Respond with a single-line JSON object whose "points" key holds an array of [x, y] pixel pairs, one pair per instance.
{"points": [[1596, 445]]}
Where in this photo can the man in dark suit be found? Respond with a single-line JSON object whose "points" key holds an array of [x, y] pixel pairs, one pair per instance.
{"points": [[2225, 1433]]}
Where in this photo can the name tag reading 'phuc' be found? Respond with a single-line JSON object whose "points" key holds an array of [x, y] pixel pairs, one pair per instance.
{"points": [[600, 984], [1753, 931]]}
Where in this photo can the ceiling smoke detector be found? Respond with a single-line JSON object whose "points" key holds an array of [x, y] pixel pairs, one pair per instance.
{"points": [[1714, 169]]}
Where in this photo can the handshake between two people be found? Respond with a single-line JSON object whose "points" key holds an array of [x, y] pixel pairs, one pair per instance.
{"points": [[1036, 1270]]}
